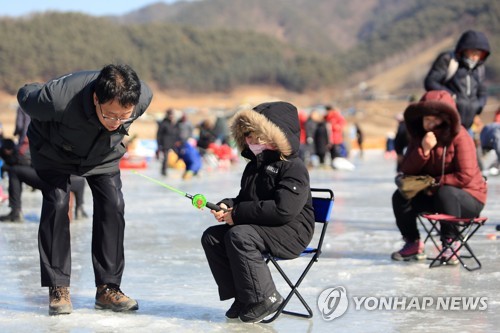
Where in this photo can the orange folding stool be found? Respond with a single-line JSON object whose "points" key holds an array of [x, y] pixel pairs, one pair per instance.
{"points": [[465, 228]]}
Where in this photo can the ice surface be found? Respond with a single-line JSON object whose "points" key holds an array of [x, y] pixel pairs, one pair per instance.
{"points": [[167, 273]]}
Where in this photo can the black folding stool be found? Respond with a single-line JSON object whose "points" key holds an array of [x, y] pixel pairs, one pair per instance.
{"points": [[322, 202], [464, 228]]}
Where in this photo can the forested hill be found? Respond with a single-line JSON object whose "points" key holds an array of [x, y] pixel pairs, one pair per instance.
{"points": [[359, 32], [216, 45]]}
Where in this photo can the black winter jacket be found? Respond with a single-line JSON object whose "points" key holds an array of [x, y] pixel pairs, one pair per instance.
{"points": [[65, 133], [275, 196], [466, 85], [167, 134], [12, 155]]}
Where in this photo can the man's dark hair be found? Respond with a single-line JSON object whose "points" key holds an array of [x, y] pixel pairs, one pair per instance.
{"points": [[118, 82]]}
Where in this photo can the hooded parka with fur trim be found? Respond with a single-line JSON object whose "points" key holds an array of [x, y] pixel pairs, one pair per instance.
{"points": [[273, 210], [275, 184]]}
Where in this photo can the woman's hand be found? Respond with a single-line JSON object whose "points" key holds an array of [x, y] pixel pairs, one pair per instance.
{"points": [[429, 141], [223, 215]]}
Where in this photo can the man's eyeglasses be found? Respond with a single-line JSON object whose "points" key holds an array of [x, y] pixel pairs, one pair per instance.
{"points": [[115, 119]]}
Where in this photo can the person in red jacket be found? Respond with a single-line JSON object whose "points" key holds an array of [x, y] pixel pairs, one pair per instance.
{"points": [[337, 122], [442, 148]]}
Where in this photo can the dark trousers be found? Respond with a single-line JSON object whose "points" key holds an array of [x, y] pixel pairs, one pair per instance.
{"points": [[107, 229], [234, 255], [164, 162], [321, 158], [336, 151], [77, 186], [448, 200], [19, 174]]}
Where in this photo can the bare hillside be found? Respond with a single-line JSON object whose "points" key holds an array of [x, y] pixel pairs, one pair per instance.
{"points": [[376, 115], [413, 69]]}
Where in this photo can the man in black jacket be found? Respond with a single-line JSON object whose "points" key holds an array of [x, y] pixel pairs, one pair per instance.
{"points": [[78, 122]]}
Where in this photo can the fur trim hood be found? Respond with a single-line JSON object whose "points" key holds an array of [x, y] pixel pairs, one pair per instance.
{"points": [[433, 103], [277, 123]]}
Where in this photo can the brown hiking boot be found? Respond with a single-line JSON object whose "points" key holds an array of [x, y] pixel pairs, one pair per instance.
{"points": [[109, 296], [59, 301]]}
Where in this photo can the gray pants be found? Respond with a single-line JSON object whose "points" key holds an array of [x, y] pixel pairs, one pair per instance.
{"points": [[234, 255]]}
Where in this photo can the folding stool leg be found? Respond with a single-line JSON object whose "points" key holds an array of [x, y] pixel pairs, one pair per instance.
{"points": [[437, 261], [322, 205], [434, 226], [469, 229], [293, 291]]}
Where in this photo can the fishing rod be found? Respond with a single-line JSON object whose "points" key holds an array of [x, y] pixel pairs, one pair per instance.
{"points": [[198, 200]]}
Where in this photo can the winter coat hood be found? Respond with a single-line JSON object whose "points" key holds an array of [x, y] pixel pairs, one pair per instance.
{"points": [[473, 40], [433, 103], [276, 123]]}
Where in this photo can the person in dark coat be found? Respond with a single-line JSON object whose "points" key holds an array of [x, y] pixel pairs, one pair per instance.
{"points": [[184, 128], [21, 128], [166, 136], [321, 140], [461, 73], [490, 140], [17, 163], [272, 212], [400, 141], [441, 148], [308, 132], [206, 136], [78, 122]]}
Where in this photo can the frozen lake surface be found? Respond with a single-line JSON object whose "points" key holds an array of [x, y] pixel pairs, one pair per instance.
{"points": [[167, 273]]}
